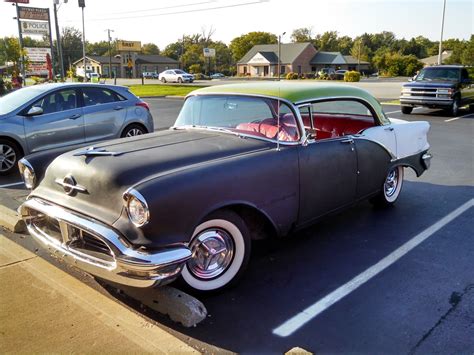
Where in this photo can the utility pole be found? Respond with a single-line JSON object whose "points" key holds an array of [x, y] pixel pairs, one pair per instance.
{"points": [[440, 59], [82, 5], [20, 36], [110, 52], [58, 39], [358, 56], [279, 56]]}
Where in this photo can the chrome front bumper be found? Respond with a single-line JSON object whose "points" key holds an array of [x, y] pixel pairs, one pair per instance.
{"points": [[98, 249]]}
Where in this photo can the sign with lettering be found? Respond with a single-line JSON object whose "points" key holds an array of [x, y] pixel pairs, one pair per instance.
{"points": [[19, 1], [33, 13], [209, 52], [129, 46], [35, 28], [37, 54]]}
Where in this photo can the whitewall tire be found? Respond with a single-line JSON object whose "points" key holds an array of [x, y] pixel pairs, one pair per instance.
{"points": [[391, 188], [221, 250]]}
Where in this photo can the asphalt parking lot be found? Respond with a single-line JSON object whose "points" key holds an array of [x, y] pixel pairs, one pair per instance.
{"points": [[367, 280]]}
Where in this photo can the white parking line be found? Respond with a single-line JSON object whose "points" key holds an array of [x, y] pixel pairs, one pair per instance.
{"points": [[457, 118], [293, 324], [12, 184]]}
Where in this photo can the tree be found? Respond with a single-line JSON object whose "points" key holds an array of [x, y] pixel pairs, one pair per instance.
{"points": [[150, 48], [242, 44], [303, 34], [360, 51], [97, 48], [345, 45], [328, 41], [71, 41], [10, 52]]}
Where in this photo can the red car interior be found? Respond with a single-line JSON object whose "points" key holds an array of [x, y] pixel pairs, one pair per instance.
{"points": [[337, 125], [269, 128]]}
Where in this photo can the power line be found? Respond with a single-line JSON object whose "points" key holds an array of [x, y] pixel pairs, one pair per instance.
{"points": [[178, 12], [162, 8]]}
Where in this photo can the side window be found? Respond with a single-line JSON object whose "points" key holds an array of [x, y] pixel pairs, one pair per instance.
{"points": [[464, 74], [336, 118], [58, 101], [97, 96]]}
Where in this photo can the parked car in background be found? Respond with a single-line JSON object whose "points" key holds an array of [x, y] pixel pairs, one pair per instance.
{"points": [[50, 116], [339, 74], [444, 86], [150, 75], [176, 76], [329, 72], [217, 76], [242, 162]]}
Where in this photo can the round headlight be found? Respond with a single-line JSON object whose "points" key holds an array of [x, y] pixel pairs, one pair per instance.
{"points": [[27, 173], [137, 208]]}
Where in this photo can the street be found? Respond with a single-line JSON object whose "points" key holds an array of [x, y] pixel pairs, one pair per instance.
{"points": [[418, 300]]}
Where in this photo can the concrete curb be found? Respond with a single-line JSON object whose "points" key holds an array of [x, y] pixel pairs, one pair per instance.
{"points": [[10, 220]]}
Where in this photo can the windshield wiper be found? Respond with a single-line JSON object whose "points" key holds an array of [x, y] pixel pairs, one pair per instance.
{"points": [[93, 151], [210, 128]]}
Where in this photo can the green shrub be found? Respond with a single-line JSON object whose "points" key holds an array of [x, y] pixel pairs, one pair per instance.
{"points": [[352, 76], [291, 76], [195, 68], [323, 76]]}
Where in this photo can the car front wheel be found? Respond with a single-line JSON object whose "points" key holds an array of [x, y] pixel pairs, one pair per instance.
{"points": [[455, 106], [391, 188], [163, 80], [220, 249], [407, 110], [9, 156]]}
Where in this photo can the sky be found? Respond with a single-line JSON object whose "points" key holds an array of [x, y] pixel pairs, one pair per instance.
{"points": [[165, 21]]}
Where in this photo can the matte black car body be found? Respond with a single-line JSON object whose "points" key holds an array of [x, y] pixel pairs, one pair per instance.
{"points": [[186, 174]]}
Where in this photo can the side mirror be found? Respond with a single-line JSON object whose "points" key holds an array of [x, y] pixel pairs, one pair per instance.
{"points": [[34, 111], [410, 79]]}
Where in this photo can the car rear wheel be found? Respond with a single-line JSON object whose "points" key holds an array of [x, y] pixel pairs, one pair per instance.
{"points": [[391, 188], [180, 80], [407, 110], [220, 249], [9, 156], [133, 130]]}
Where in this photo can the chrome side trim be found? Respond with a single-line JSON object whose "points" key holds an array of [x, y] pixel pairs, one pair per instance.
{"points": [[129, 266]]}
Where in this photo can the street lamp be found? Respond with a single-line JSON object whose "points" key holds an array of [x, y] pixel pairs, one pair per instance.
{"points": [[110, 52], [58, 37], [279, 54], [440, 59]]}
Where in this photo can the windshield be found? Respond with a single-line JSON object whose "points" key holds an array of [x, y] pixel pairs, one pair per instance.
{"points": [[179, 72], [259, 117], [429, 74], [15, 99]]}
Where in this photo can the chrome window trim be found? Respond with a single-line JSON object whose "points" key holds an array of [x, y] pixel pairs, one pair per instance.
{"points": [[291, 105]]}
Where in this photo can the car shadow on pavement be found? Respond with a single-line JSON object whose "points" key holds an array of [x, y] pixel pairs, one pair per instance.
{"points": [[286, 276]]}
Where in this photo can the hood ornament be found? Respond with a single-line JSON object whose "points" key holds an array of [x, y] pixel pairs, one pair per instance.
{"points": [[95, 151], [70, 185]]}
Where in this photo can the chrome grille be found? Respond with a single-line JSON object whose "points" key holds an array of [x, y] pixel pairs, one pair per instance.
{"points": [[74, 238]]}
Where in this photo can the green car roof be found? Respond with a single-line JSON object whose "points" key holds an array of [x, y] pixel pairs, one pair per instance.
{"points": [[293, 91]]}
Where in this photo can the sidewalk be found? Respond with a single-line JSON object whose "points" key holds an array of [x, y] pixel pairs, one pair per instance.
{"points": [[45, 310]]}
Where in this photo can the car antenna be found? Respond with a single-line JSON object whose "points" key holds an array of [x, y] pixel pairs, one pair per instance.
{"points": [[278, 119]]}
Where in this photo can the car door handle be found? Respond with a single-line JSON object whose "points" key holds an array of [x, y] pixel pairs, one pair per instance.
{"points": [[389, 129], [74, 117], [118, 108], [348, 141]]}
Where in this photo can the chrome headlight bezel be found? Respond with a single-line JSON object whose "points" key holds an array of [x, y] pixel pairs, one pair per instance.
{"points": [[445, 91], [27, 173], [134, 200]]}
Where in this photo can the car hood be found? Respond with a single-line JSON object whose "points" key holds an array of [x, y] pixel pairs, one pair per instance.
{"points": [[131, 162], [430, 84]]}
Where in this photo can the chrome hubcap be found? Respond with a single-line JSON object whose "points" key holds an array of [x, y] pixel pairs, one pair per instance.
{"points": [[213, 251], [391, 182], [134, 132], [7, 157]]}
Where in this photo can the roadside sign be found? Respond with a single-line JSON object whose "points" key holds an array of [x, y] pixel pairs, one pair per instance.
{"points": [[37, 54], [19, 1], [129, 63], [35, 28], [82, 3], [129, 46], [33, 13], [209, 52]]}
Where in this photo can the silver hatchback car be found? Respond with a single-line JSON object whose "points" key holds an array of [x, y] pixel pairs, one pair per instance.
{"points": [[57, 115]]}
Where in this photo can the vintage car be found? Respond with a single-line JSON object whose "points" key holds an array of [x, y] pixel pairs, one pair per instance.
{"points": [[242, 162]]}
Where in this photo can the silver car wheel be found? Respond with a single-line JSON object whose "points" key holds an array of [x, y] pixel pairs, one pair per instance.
{"points": [[391, 182], [134, 132], [213, 251], [7, 157]]}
